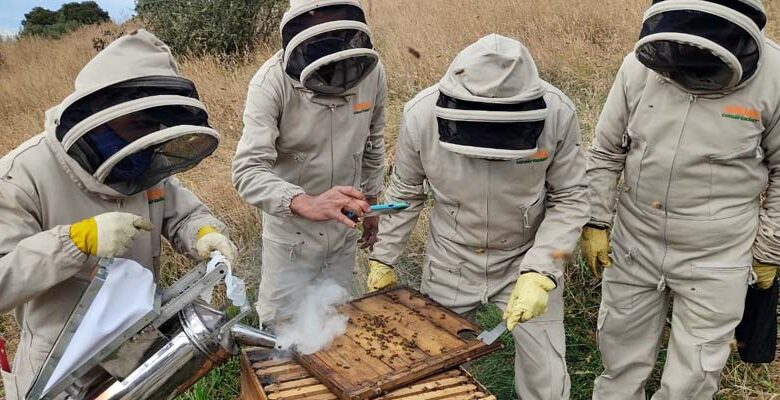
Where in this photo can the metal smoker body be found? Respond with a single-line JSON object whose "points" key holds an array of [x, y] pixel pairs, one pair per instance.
{"points": [[170, 350]]}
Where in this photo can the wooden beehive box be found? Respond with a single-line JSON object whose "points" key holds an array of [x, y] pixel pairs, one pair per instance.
{"points": [[393, 338], [264, 378]]}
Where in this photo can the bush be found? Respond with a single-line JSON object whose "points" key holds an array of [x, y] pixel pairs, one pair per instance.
{"points": [[221, 27], [53, 24]]}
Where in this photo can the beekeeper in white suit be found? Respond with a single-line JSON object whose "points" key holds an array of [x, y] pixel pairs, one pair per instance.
{"points": [[98, 183], [312, 148], [500, 150], [692, 125]]}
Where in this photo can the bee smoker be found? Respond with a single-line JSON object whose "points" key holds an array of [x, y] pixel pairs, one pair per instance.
{"points": [[198, 343], [160, 357]]}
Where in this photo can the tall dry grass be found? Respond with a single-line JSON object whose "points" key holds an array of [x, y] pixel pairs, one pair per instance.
{"points": [[578, 46]]}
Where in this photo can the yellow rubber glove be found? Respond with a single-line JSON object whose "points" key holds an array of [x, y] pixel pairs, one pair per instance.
{"points": [[380, 276], [529, 298], [211, 239], [595, 249], [765, 274], [108, 235]]}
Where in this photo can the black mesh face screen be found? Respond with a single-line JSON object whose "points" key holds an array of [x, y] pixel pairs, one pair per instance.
{"points": [[691, 66], [340, 76], [741, 7], [166, 159], [338, 12], [491, 135], [514, 135], [324, 45], [95, 147], [121, 93]]}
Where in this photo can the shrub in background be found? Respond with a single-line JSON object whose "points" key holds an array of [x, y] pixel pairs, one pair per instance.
{"points": [[53, 24], [221, 27]]}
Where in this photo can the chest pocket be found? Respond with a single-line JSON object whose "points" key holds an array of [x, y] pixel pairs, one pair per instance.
{"points": [[736, 174], [446, 214], [291, 166], [516, 204], [730, 164], [357, 159], [632, 172]]}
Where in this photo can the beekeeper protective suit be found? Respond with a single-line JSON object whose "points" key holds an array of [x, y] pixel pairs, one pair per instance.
{"points": [[499, 149], [692, 125], [97, 183], [313, 135]]}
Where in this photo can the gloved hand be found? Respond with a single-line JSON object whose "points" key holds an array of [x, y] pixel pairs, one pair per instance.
{"points": [[765, 274], [528, 299], [210, 239], [107, 235], [380, 276], [595, 249]]}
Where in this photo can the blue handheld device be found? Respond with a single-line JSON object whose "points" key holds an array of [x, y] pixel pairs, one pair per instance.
{"points": [[382, 209]]}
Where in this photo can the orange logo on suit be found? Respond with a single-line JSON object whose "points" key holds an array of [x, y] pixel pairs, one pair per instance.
{"points": [[360, 108], [741, 113], [155, 195]]}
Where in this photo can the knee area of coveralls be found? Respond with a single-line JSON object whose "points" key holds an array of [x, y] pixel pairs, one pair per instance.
{"points": [[692, 371], [694, 363], [540, 352], [540, 361]]}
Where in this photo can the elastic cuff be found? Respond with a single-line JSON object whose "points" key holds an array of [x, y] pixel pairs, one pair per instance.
{"points": [[544, 273], [70, 248], [381, 262], [287, 197], [597, 225]]}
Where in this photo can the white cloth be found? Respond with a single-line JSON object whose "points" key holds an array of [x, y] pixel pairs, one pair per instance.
{"points": [[110, 314], [235, 286]]}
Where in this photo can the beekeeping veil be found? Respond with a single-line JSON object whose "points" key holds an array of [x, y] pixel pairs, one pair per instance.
{"points": [[327, 45], [132, 120], [491, 102], [703, 46]]}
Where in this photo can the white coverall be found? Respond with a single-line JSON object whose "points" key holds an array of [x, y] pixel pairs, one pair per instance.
{"points": [[299, 141], [43, 190], [493, 220], [689, 221]]}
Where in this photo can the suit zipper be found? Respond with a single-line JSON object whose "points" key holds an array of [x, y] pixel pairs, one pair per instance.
{"points": [[662, 283], [487, 236], [332, 167]]}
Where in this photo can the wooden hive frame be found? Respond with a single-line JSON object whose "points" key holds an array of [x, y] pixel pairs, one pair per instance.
{"points": [[267, 378], [394, 338]]}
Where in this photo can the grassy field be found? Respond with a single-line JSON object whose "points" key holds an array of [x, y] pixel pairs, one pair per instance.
{"points": [[578, 46]]}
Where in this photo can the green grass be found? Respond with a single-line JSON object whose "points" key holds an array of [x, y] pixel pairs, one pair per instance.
{"points": [[496, 370], [222, 383]]}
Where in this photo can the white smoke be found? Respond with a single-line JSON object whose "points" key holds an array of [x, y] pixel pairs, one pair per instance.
{"points": [[316, 322]]}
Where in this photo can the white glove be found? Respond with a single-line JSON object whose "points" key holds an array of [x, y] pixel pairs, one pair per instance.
{"points": [[210, 239], [108, 235]]}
